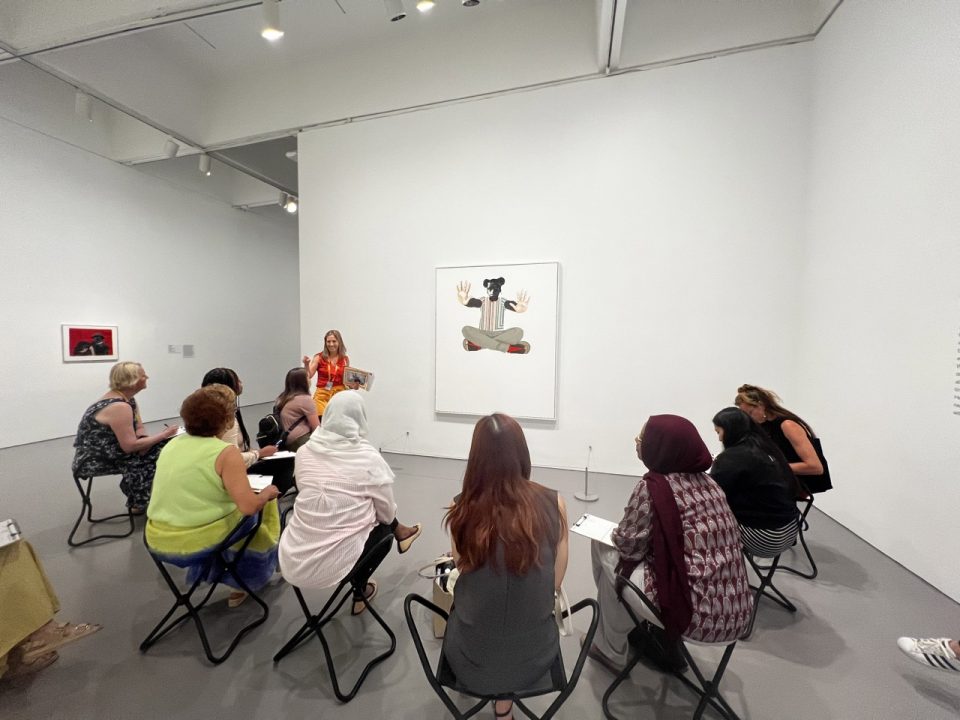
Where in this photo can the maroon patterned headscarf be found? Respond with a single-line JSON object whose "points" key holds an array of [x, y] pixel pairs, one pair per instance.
{"points": [[670, 444]]}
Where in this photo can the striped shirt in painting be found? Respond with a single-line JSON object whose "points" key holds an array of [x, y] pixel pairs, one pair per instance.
{"points": [[491, 314]]}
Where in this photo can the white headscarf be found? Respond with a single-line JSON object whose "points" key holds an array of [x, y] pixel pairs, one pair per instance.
{"points": [[342, 437]]}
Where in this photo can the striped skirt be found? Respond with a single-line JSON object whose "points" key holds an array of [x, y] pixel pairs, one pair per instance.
{"points": [[192, 548], [769, 543]]}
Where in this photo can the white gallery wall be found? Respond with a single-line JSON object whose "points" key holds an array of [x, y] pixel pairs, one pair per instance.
{"points": [[87, 241], [879, 341], [671, 199]]}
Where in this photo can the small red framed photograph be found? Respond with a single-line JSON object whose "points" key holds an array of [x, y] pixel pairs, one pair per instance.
{"points": [[90, 343]]}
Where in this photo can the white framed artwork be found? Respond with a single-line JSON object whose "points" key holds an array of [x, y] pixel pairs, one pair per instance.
{"points": [[496, 339]]}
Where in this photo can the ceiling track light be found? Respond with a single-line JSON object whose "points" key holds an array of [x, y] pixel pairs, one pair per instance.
{"points": [[270, 30], [83, 106], [425, 5], [289, 203], [170, 148], [395, 9], [204, 164]]}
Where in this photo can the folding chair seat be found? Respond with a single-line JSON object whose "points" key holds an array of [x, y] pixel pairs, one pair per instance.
{"points": [[314, 624], [555, 679], [84, 486], [227, 561], [706, 689]]}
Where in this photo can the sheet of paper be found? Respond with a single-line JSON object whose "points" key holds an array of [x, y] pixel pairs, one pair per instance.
{"points": [[595, 528], [280, 454], [259, 482]]}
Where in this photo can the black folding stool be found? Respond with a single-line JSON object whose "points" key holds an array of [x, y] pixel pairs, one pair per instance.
{"points": [[192, 610], [707, 690], [86, 508], [766, 586], [314, 624], [804, 525], [554, 681]]}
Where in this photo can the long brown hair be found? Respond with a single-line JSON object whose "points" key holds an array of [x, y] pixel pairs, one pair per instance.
{"points": [[770, 402], [296, 383], [341, 348], [499, 506]]}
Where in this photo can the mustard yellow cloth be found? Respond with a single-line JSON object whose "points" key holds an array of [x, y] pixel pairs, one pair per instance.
{"points": [[26, 596], [322, 396]]}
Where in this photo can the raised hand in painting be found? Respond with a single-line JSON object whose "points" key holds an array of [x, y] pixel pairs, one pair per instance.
{"points": [[463, 292], [521, 302]]}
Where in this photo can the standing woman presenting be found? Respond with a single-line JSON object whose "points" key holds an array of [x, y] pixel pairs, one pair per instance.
{"points": [[791, 434], [328, 366]]}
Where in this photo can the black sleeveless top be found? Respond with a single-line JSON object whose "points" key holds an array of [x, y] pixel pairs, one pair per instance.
{"points": [[814, 483]]}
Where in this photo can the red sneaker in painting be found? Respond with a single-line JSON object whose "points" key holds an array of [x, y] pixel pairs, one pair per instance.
{"points": [[467, 345], [522, 349]]}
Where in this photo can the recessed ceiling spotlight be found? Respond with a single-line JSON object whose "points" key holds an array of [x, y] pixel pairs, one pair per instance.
{"points": [[271, 21], [291, 155], [425, 5], [469, 3], [395, 9], [205, 164]]}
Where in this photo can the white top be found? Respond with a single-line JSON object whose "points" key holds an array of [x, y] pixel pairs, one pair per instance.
{"points": [[346, 488]]}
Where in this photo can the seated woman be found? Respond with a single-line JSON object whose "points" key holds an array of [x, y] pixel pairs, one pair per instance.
{"points": [[509, 538], [345, 505], [29, 636], [758, 483], [281, 469], [201, 492], [111, 438], [298, 413], [790, 433], [678, 542]]}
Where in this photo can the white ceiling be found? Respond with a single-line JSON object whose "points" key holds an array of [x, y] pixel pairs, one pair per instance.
{"points": [[198, 71]]}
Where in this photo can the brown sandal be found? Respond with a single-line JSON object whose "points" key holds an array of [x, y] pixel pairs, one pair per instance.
{"points": [[54, 635], [22, 668], [404, 545], [370, 592]]}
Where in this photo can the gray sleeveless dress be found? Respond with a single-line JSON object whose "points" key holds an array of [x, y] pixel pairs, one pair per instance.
{"points": [[501, 636]]}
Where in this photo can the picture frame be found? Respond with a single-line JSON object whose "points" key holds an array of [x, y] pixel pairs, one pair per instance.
{"points": [[364, 378], [498, 354], [89, 343]]}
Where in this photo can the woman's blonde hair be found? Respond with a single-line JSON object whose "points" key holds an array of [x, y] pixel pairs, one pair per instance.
{"points": [[770, 402], [124, 375]]}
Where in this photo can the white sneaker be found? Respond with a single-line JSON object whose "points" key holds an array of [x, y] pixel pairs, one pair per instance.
{"points": [[933, 652]]}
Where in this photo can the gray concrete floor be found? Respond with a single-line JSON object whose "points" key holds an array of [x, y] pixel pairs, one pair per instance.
{"points": [[835, 658]]}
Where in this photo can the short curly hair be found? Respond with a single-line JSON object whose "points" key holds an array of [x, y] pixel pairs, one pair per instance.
{"points": [[206, 412]]}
